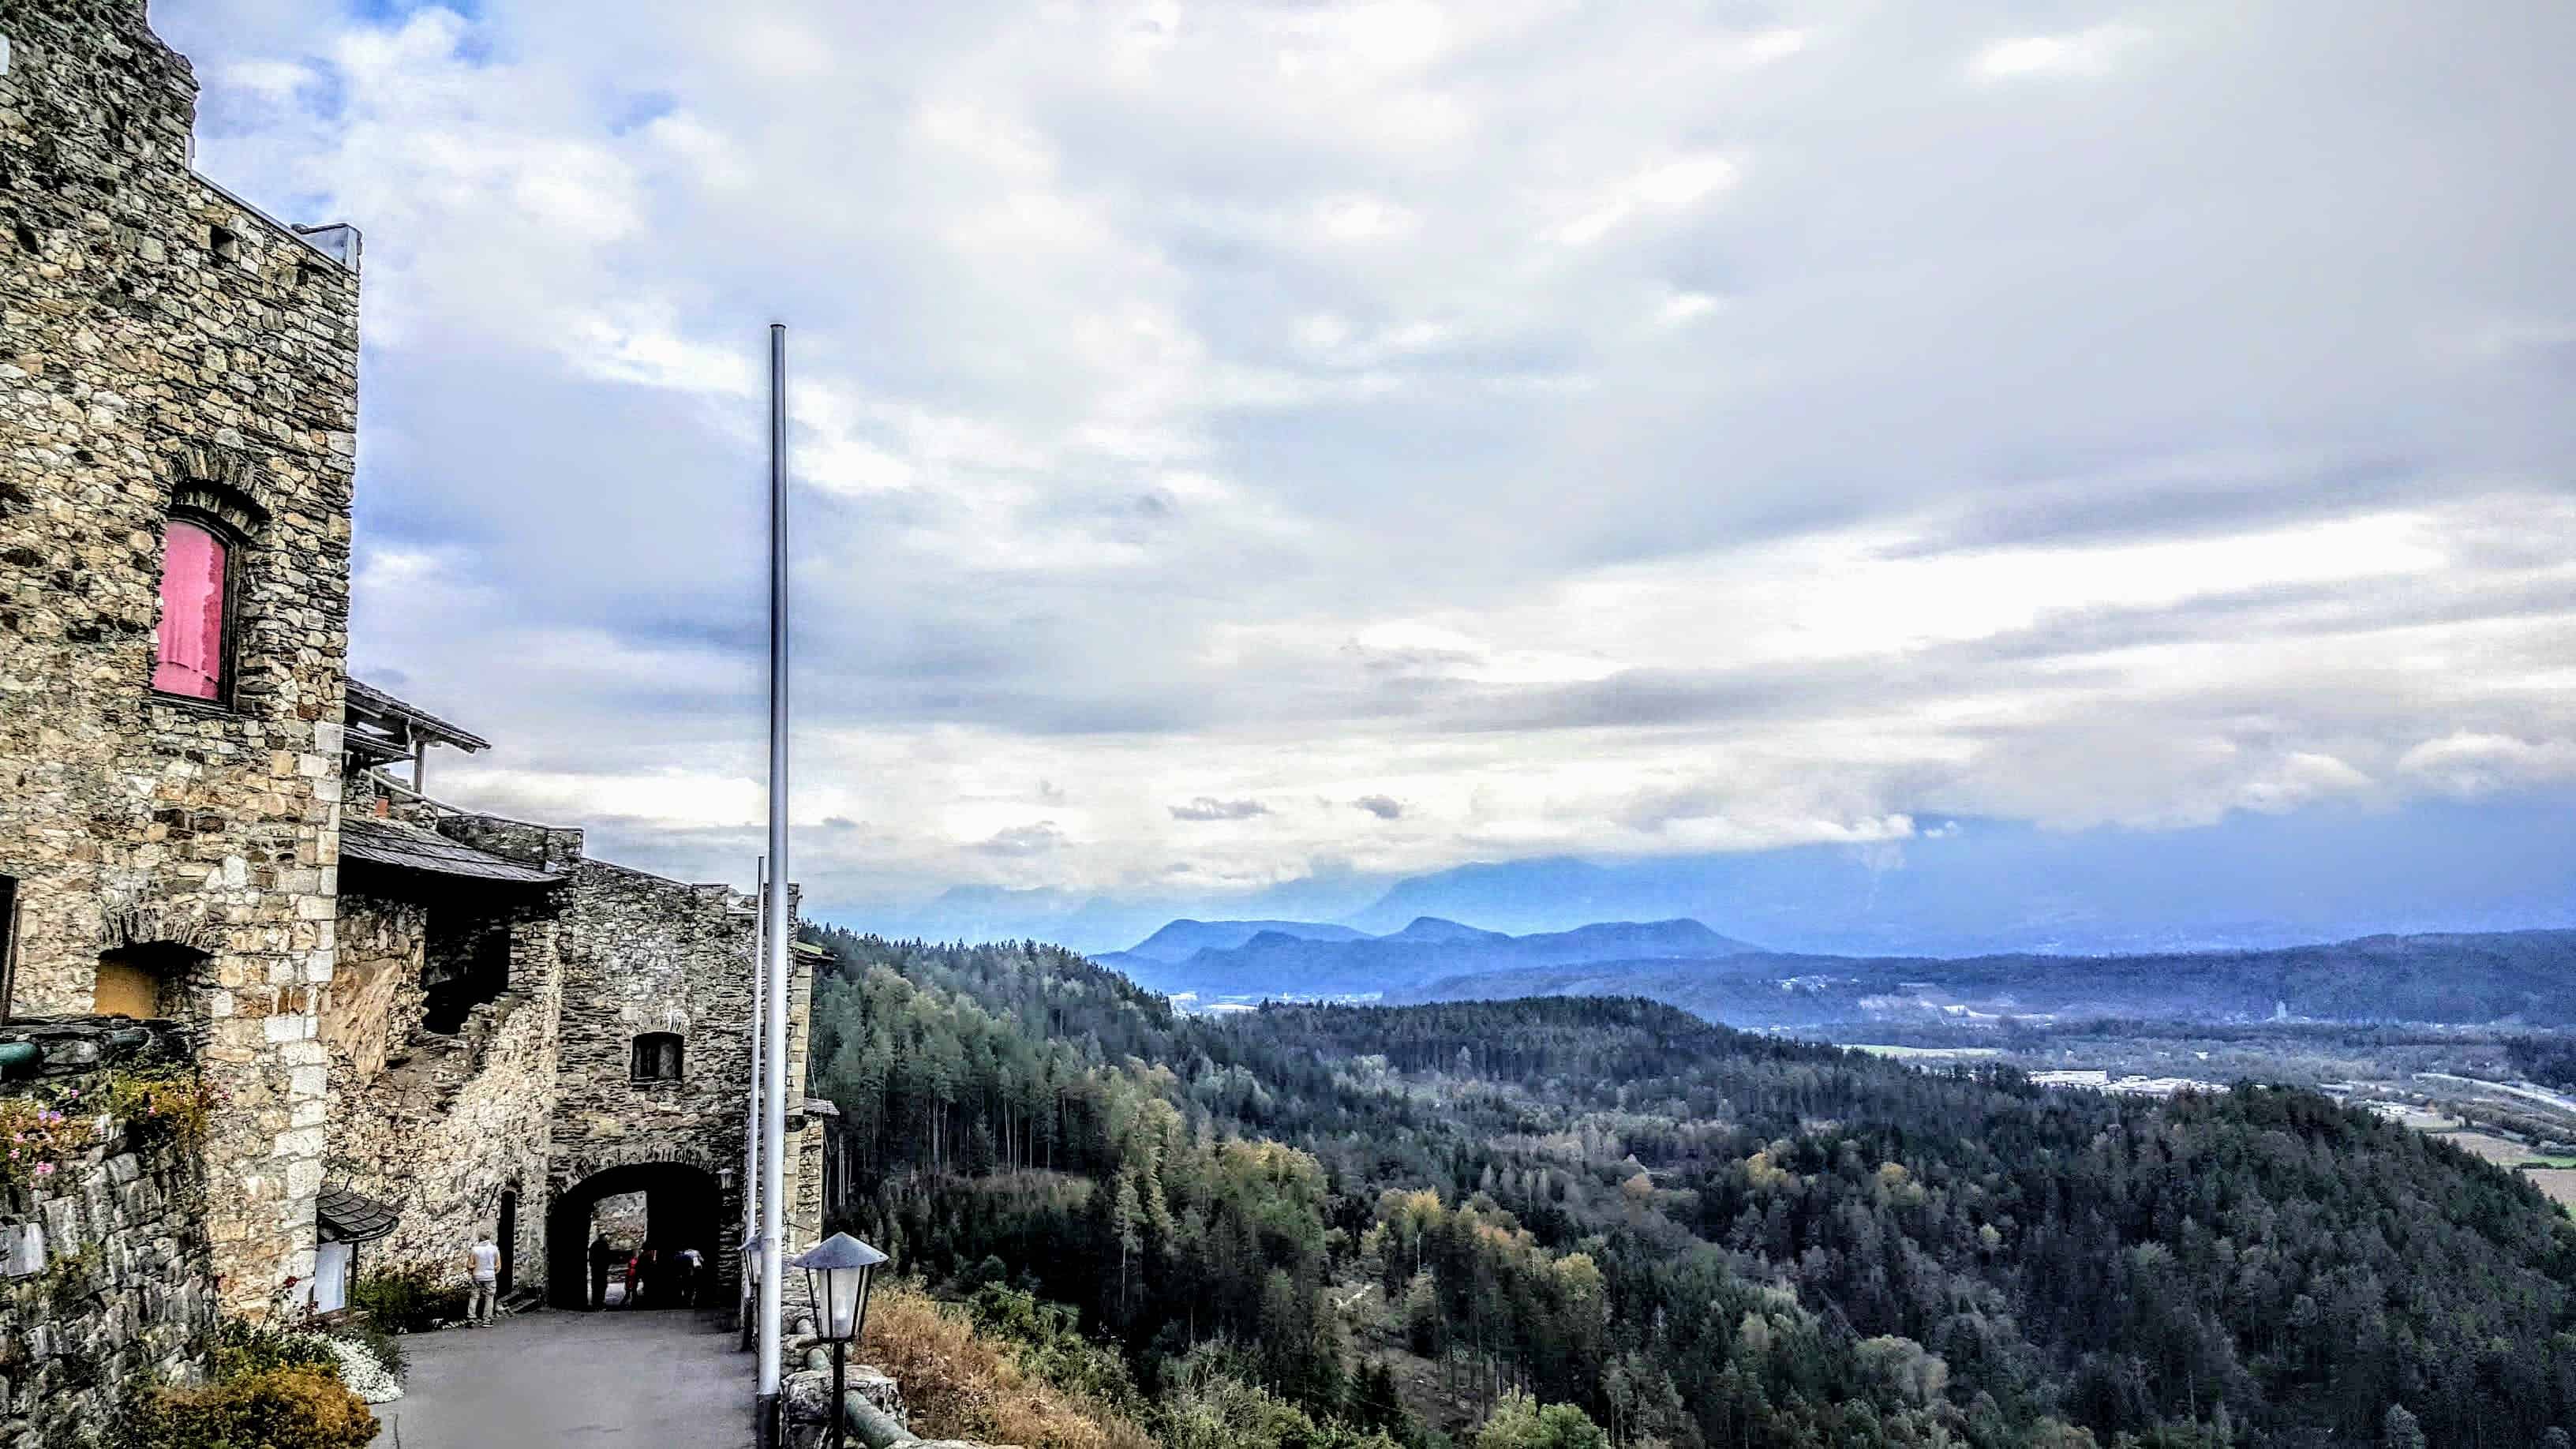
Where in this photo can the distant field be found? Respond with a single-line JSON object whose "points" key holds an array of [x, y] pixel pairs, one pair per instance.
{"points": [[2556, 1177], [2558, 1182], [2493, 1149]]}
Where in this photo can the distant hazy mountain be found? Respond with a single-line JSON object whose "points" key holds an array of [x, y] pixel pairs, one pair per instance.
{"points": [[1301, 959], [1180, 940], [1965, 887], [1957, 887], [2517, 976]]}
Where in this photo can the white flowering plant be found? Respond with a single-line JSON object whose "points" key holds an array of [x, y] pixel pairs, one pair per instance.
{"points": [[366, 1377]]}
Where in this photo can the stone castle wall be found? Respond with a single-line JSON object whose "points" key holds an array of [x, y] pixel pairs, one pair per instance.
{"points": [[163, 344], [646, 955], [108, 1276]]}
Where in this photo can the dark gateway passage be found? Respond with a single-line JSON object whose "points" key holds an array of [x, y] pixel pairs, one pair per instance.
{"points": [[682, 1209]]}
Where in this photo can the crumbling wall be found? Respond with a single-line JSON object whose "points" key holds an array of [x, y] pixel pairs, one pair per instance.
{"points": [[162, 343], [108, 1274], [439, 1125]]}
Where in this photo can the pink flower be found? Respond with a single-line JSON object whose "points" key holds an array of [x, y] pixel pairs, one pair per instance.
{"points": [[44, 1169]]}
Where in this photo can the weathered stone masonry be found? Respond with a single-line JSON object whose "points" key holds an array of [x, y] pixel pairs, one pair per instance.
{"points": [[162, 346], [432, 1009]]}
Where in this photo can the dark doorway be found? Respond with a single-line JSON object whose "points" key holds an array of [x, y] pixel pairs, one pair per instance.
{"points": [[683, 1208], [509, 1240]]}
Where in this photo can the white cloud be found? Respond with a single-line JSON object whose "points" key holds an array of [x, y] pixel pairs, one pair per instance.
{"points": [[1679, 307], [1668, 186], [1363, 218], [2086, 53], [2470, 765], [1584, 431]]}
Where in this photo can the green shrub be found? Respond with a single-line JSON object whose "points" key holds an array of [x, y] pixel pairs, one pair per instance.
{"points": [[273, 1408], [407, 1300], [162, 1104], [244, 1349]]}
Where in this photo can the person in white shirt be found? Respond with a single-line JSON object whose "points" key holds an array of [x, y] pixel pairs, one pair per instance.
{"points": [[485, 1261]]}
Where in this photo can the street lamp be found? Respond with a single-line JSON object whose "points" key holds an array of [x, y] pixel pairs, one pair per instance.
{"points": [[837, 1273]]}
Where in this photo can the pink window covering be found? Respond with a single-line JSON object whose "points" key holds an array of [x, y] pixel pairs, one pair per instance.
{"points": [[192, 613]]}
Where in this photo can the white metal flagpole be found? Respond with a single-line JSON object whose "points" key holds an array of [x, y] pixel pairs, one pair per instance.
{"points": [[773, 1216]]}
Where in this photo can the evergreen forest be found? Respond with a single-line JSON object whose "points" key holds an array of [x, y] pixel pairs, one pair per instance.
{"points": [[1563, 1222]]}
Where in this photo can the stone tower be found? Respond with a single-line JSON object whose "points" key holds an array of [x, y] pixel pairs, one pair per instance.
{"points": [[178, 407]]}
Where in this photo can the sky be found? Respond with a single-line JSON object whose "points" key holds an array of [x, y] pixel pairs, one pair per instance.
{"points": [[1250, 444]]}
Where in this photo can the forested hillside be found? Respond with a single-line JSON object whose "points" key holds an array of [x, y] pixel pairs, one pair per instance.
{"points": [[1334, 1223]]}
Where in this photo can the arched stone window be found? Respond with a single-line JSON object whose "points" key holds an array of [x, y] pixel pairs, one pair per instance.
{"points": [[210, 526], [194, 660], [657, 1057]]}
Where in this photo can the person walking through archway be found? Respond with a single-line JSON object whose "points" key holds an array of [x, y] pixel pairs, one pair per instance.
{"points": [[602, 1253], [692, 1270]]}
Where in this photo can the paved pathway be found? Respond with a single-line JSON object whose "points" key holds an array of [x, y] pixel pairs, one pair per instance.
{"points": [[643, 1380]]}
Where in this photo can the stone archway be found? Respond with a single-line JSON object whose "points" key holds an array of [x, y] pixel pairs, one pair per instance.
{"points": [[685, 1207]]}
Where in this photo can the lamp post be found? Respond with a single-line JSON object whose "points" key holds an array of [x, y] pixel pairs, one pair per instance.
{"points": [[837, 1273]]}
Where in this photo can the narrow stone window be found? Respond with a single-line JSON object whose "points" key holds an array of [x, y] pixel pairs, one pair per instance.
{"points": [[225, 245], [8, 944], [657, 1057], [194, 659]]}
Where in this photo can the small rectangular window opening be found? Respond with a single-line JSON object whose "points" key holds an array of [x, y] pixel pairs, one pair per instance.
{"points": [[223, 243], [657, 1057]]}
